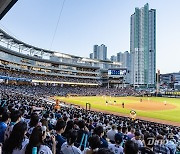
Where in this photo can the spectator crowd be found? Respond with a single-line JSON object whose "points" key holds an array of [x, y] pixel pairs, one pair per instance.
{"points": [[59, 90], [30, 124], [48, 77]]}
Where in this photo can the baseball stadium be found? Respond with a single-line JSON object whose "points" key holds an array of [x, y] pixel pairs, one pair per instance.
{"points": [[77, 101], [81, 82]]}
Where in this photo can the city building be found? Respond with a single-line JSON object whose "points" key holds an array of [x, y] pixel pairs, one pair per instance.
{"points": [[170, 81], [126, 63], [126, 60], [123, 58], [100, 52], [91, 56], [119, 56], [113, 58], [95, 51], [143, 47]]}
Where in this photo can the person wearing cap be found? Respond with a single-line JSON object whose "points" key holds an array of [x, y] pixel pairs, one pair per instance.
{"points": [[117, 148]]}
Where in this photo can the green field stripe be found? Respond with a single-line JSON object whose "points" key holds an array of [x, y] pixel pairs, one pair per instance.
{"points": [[98, 102]]}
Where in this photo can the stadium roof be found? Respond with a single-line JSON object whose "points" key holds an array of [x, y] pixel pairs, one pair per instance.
{"points": [[13, 40], [5, 6]]}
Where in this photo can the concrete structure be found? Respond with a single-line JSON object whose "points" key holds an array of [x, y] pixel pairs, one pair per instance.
{"points": [[143, 47]]}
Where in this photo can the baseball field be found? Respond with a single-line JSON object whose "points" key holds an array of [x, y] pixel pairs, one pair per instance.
{"points": [[165, 110]]}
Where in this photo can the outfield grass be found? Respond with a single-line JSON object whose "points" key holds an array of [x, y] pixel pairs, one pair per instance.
{"points": [[98, 102]]}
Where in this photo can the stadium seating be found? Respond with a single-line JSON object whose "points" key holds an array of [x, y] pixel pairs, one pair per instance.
{"points": [[83, 131]]}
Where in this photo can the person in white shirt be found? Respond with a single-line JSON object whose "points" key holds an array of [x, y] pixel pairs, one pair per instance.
{"points": [[117, 148], [111, 133], [68, 147], [137, 140], [17, 141], [37, 140], [33, 122]]}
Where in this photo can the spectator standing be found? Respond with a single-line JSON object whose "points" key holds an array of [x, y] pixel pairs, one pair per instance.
{"points": [[117, 148], [99, 131], [149, 141], [3, 125], [17, 141], [111, 133], [160, 147], [171, 144], [94, 143], [82, 130], [37, 140], [68, 147], [60, 128], [137, 140], [15, 118], [131, 133], [130, 147]]}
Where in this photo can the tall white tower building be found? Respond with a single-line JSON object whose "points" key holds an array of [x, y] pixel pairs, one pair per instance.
{"points": [[143, 46]]}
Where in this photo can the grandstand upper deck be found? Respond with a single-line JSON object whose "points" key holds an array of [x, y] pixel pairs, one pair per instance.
{"points": [[17, 57], [19, 48]]}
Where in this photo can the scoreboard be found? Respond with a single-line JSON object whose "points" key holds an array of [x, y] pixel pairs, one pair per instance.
{"points": [[116, 72]]}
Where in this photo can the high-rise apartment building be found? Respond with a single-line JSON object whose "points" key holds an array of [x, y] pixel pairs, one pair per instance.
{"points": [[124, 58], [91, 55], [113, 58], [100, 52], [143, 46], [95, 51], [119, 56]]}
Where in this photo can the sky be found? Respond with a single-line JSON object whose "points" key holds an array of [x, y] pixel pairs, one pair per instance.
{"points": [[84, 23]]}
